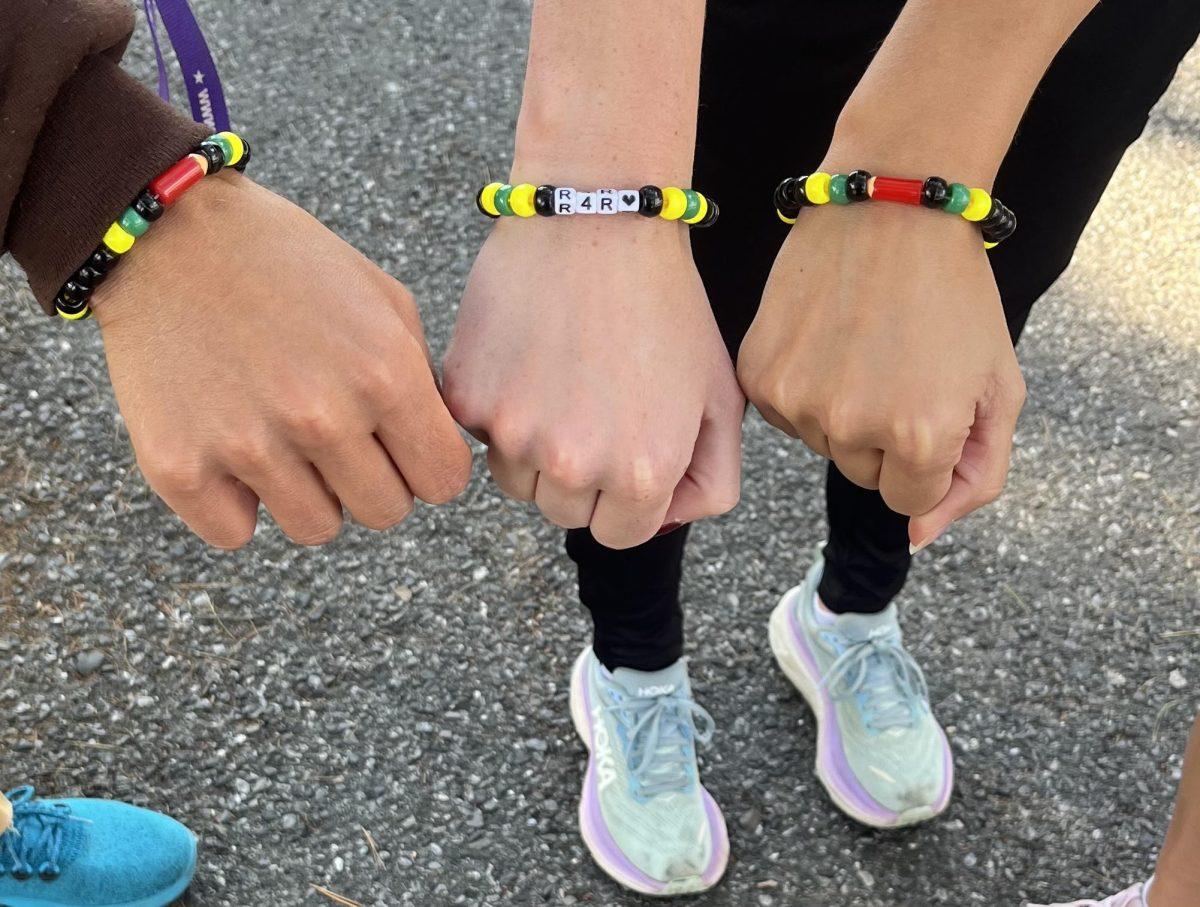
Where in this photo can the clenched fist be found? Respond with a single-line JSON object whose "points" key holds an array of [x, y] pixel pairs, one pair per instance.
{"points": [[881, 343], [257, 357], [587, 358]]}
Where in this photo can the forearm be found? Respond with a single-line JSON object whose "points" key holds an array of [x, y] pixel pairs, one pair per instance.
{"points": [[78, 137], [947, 89], [611, 92]]}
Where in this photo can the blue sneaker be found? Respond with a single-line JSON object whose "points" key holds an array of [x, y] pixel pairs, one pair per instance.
{"points": [[881, 754], [92, 853], [644, 815]]}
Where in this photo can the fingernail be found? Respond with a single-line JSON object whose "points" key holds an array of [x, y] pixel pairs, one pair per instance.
{"points": [[925, 542]]}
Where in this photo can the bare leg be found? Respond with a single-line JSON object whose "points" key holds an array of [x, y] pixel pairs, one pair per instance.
{"points": [[1177, 878], [5, 814]]}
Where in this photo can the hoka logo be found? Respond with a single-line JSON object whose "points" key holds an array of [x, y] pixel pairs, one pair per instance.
{"points": [[606, 765], [651, 692]]}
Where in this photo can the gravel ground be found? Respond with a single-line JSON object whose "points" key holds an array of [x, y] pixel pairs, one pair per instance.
{"points": [[411, 687]]}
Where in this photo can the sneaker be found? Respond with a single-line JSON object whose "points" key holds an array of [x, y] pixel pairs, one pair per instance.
{"points": [[1134, 896], [881, 754], [92, 853], [644, 815]]}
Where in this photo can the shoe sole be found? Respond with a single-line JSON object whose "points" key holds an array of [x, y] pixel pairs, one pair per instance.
{"points": [[600, 843], [800, 666], [162, 899]]}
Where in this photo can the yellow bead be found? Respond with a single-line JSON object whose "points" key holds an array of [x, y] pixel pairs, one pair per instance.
{"points": [[118, 239], [703, 210], [238, 147], [787, 220], [521, 200], [488, 199], [75, 316], [979, 206], [816, 188], [990, 245], [674, 203]]}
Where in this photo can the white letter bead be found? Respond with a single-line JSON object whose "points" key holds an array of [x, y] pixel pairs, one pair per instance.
{"points": [[586, 202], [628, 200], [606, 201], [564, 201]]}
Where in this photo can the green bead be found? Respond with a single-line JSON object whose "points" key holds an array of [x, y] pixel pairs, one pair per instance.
{"points": [[133, 223], [958, 199], [693, 204], [837, 190], [226, 146], [501, 200]]}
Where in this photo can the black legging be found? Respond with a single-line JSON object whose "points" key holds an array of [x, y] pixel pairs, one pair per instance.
{"points": [[1092, 103]]}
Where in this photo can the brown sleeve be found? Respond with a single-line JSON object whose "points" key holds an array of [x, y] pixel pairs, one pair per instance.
{"points": [[78, 137]]}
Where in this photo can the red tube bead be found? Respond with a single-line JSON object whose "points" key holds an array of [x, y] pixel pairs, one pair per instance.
{"points": [[169, 185], [890, 189]]}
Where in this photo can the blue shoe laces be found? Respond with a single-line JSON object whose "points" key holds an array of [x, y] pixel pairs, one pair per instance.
{"points": [[657, 734], [880, 674], [36, 837]]}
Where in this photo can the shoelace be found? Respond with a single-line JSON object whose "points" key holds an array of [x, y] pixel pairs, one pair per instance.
{"points": [[881, 670], [659, 734], [36, 836]]}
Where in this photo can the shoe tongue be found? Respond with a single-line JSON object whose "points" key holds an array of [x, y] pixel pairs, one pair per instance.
{"points": [[857, 627], [649, 684]]}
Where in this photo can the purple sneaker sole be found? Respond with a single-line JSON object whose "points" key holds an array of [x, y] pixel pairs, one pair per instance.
{"points": [[797, 661], [595, 833]]}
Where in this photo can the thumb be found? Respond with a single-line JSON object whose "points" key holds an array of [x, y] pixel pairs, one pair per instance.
{"points": [[712, 483], [981, 471]]}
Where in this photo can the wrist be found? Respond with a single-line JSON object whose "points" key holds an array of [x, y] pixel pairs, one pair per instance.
{"points": [[562, 148], [896, 144]]}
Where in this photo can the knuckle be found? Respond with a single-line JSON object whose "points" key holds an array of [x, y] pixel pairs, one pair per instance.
{"points": [[314, 424], [844, 423], [510, 432], [374, 378], [248, 452], [175, 472], [568, 463], [645, 478]]}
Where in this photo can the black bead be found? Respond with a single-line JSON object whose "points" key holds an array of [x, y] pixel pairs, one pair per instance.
{"points": [[87, 276], [710, 216], [75, 292], [543, 201], [1000, 223], [935, 192], [68, 306], [479, 204], [856, 185], [240, 166], [103, 258], [651, 201], [790, 197], [149, 207], [212, 152]]}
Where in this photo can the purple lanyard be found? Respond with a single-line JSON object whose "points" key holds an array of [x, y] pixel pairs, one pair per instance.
{"points": [[195, 62]]}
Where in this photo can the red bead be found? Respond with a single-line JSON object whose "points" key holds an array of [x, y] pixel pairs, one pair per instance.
{"points": [[890, 189], [176, 180]]}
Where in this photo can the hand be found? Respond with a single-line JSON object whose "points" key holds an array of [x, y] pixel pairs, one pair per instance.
{"points": [[881, 343], [256, 356], [586, 356]]}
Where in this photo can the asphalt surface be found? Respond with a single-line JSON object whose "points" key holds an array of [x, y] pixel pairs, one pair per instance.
{"points": [[412, 686]]}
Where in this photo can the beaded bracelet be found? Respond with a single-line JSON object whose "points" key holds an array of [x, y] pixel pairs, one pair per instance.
{"points": [[214, 153], [525, 200], [995, 220]]}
